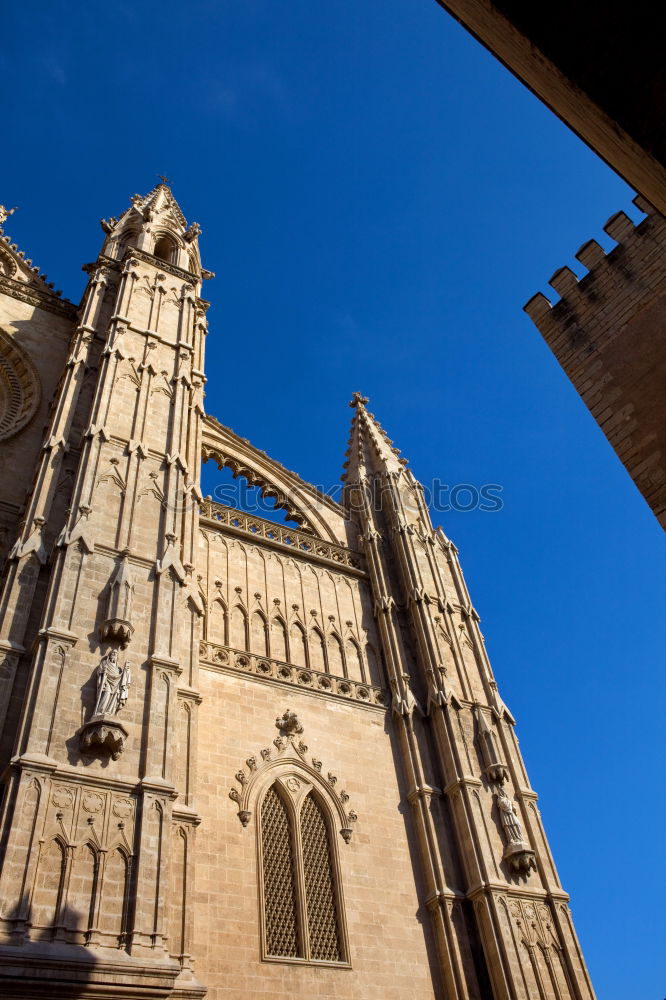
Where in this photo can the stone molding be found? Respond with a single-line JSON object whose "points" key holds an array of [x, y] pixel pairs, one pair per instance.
{"points": [[222, 444], [290, 753], [266, 668], [35, 297], [280, 536]]}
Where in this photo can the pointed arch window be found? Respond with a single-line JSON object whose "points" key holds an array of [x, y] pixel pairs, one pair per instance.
{"points": [[165, 249], [302, 912]]}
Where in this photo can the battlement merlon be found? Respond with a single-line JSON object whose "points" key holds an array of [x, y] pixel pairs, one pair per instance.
{"points": [[607, 332], [595, 260]]}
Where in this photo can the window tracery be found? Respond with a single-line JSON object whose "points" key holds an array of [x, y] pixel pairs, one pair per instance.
{"points": [[302, 912], [279, 877], [300, 890]]}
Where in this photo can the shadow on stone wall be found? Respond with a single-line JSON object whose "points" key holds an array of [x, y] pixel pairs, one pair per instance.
{"points": [[45, 962]]}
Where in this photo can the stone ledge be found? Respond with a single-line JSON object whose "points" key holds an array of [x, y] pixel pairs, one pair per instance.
{"points": [[266, 669]]}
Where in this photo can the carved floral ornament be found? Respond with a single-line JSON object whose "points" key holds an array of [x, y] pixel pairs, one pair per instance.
{"points": [[20, 390], [287, 761]]}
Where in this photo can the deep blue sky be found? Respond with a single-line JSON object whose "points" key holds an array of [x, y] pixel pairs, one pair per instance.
{"points": [[379, 197]]}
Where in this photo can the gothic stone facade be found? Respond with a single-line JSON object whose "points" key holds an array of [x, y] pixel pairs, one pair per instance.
{"points": [[237, 759]]}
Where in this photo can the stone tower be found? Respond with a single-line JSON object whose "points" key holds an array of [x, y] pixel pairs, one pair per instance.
{"points": [[278, 753]]}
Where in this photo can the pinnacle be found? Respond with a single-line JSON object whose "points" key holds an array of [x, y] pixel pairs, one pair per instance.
{"points": [[24, 264], [158, 197], [370, 447]]}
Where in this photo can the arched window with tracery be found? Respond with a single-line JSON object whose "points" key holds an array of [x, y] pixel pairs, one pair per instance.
{"points": [[301, 892]]}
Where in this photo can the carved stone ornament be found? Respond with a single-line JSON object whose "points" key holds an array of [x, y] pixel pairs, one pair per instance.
{"points": [[518, 854], [290, 752], [116, 630], [494, 769], [113, 683], [20, 389], [105, 734], [289, 724], [117, 626]]}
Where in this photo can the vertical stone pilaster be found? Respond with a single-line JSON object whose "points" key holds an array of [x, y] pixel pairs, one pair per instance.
{"points": [[452, 724], [106, 763]]}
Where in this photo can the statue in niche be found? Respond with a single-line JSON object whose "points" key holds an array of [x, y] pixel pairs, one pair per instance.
{"points": [[113, 682], [509, 818]]}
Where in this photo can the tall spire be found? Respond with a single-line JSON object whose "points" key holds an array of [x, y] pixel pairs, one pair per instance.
{"points": [[370, 448], [154, 223]]}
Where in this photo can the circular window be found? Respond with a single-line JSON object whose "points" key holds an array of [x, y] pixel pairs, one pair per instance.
{"points": [[19, 388]]}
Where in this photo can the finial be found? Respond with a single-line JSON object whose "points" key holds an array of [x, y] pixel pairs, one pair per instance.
{"points": [[5, 213], [289, 723], [358, 400], [192, 233], [165, 180]]}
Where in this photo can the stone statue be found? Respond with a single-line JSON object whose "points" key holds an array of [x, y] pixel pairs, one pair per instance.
{"points": [[509, 818], [113, 683]]}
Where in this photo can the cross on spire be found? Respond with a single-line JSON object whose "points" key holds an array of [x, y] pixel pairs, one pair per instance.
{"points": [[358, 400], [165, 180]]}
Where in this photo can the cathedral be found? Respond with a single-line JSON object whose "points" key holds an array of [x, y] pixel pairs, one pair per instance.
{"points": [[239, 759]]}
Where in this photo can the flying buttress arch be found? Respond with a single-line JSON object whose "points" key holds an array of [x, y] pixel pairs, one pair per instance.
{"points": [[313, 511]]}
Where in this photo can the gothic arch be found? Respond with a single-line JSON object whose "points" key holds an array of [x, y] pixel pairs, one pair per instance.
{"points": [[354, 659], [217, 621], [298, 812], [335, 655], [318, 654], [300, 879], [83, 887], [238, 628], [259, 633], [298, 645], [289, 757], [313, 511], [166, 246], [278, 638], [46, 902], [115, 894]]}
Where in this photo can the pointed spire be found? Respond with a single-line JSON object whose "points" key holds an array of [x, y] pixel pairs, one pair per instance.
{"points": [[370, 448], [160, 199], [154, 223]]}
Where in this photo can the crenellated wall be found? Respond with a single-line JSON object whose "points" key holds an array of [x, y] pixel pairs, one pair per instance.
{"points": [[608, 332]]}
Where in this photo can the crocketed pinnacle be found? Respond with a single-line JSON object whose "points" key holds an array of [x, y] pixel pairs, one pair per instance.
{"points": [[157, 207], [370, 448]]}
